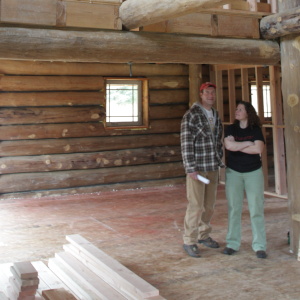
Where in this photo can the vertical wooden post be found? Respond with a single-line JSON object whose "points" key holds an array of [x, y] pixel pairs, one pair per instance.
{"points": [[252, 4], [260, 103], [259, 87], [219, 84], [274, 6], [218, 74], [195, 79], [232, 94], [278, 134], [245, 85], [290, 62]]}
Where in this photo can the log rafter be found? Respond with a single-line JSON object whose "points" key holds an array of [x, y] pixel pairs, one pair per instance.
{"points": [[137, 13]]}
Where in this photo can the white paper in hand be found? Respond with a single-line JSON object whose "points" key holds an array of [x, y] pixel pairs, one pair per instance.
{"points": [[203, 179]]}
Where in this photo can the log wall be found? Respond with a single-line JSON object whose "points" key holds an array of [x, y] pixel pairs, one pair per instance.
{"points": [[52, 137]]}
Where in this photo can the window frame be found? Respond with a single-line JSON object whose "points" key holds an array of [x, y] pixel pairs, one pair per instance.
{"points": [[143, 104]]}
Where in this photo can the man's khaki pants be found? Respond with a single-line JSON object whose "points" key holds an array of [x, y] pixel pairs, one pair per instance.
{"points": [[201, 201]]}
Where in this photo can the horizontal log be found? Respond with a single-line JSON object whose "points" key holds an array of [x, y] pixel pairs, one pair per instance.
{"points": [[167, 96], [168, 82], [75, 145], [76, 130], [137, 13], [50, 83], [167, 111], [64, 194], [44, 115], [83, 161], [51, 99], [22, 67], [10, 183], [137, 47], [281, 24]]}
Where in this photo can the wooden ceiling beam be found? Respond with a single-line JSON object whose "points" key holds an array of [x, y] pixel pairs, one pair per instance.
{"points": [[138, 13], [136, 47], [281, 24]]}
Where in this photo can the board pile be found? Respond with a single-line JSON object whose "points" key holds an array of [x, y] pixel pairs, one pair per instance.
{"points": [[82, 271]]}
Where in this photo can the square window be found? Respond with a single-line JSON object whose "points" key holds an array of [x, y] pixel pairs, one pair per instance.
{"points": [[126, 102]]}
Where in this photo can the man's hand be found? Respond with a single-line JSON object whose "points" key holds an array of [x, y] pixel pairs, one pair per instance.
{"points": [[193, 175]]}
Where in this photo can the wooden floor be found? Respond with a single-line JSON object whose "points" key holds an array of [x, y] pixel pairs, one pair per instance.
{"points": [[142, 229]]}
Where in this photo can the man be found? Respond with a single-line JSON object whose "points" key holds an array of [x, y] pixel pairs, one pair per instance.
{"points": [[201, 147]]}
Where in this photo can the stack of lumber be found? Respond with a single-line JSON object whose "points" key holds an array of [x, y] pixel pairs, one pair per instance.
{"points": [[92, 274], [24, 282], [81, 272]]}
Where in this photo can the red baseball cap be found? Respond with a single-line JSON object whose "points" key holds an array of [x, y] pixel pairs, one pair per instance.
{"points": [[206, 85]]}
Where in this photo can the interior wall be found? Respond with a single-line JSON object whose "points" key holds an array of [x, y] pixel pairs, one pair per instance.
{"points": [[53, 140]]}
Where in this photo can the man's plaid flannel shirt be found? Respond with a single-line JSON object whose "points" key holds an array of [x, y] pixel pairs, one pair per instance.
{"points": [[200, 151]]}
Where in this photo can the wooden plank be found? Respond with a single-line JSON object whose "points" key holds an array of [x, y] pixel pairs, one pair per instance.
{"points": [[58, 294], [238, 26], [51, 99], [76, 130], [76, 285], [137, 47], [83, 161], [22, 182], [111, 270], [5, 275], [89, 279], [29, 12], [3, 296], [91, 15], [48, 280], [25, 270], [50, 83], [82, 145]]}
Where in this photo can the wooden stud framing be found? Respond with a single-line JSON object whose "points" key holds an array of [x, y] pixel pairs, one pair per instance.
{"points": [[232, 95], [245, 85], [278, 131]]}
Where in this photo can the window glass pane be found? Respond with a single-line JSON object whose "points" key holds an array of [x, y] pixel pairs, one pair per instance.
{"points": [[123, 102]]}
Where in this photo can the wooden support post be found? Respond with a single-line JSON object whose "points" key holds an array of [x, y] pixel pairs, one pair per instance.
{"points": [[232, 94], [245, 85], [195, 78], [259, 89], [260, 103], [278, 131], [290, 52]]}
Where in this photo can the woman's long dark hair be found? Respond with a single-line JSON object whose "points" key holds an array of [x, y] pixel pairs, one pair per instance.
{"points": [[253, 118]]}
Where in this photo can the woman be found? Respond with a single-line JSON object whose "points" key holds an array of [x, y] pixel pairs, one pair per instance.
{"points": [[245, 142]]}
